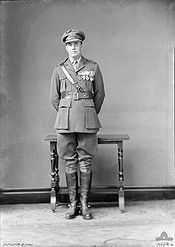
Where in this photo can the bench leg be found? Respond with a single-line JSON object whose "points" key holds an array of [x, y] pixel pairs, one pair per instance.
{"points": [[54, 174], [121, 197]]}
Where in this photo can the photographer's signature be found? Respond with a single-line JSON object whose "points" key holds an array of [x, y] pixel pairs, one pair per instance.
{"points": [[18, 244]]}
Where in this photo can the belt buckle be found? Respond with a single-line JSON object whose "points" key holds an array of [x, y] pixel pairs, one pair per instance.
{"points": [[76, 96]]}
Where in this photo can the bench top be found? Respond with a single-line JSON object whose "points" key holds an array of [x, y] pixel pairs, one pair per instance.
{"points": [[102, 138]]}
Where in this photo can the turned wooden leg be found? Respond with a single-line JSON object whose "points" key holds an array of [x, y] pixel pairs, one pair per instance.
{"points": [[57, 180], [54, 174], [121, 197]]}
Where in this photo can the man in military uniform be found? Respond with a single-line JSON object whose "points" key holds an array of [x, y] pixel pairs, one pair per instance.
{"points": [[77, 94]]}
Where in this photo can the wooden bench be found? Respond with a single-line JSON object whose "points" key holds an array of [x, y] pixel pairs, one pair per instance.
{"points": [[102, 139]]}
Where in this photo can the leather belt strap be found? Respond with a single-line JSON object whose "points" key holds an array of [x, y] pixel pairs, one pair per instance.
{"points": [[74, 81], [68, 75], [73, 95]]}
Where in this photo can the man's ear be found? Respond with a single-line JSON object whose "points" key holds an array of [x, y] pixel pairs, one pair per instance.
{"points": [[66, 47]]}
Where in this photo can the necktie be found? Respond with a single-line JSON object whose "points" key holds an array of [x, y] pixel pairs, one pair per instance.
{"points": [[75, 64]]}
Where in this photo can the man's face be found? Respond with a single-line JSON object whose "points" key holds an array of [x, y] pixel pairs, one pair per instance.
{"points": [[74, 49]]}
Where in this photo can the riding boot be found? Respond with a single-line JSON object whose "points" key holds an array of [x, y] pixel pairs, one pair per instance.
{"points": [[85, 184], [72, 184]]}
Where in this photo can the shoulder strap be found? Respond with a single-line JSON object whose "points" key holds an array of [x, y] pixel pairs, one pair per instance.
{"points": [[68, 75]]}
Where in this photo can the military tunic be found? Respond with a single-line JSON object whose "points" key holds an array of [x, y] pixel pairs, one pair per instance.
{"points": [[77, 115]]}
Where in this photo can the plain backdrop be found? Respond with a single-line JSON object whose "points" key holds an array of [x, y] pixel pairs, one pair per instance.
{"points": [[133, 42]]}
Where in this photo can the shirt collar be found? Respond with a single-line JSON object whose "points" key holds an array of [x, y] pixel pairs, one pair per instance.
{"points": [[72, 60]]}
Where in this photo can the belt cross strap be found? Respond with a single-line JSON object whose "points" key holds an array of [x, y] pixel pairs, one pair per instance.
{"points": [[74, 83], [68, 75]]}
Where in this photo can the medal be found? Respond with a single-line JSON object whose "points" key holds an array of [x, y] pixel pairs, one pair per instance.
{"points": [[92, 74], [86, 75], [91, 78]]}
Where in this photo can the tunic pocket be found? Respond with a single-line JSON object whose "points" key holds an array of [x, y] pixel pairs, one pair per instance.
{"points": [[62, 119], [91, 119]]}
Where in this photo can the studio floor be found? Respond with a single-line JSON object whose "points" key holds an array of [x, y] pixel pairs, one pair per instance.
{"points": [[36, 225]]}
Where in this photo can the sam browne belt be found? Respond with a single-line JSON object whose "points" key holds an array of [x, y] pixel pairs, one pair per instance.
{"points": [[80, 93]]}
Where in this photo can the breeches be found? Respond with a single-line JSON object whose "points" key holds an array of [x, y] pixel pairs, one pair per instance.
{"points": [[77, 149]]}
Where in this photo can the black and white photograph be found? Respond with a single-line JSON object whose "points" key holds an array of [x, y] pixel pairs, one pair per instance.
{"points": [[87, 123]]}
